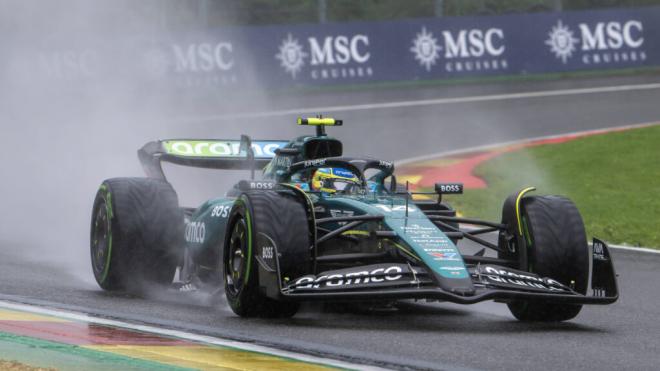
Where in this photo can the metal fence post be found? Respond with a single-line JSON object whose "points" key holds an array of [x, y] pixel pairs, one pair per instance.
{"points": [[439, 8], [557, 5], [322, 10], [203, 12]]}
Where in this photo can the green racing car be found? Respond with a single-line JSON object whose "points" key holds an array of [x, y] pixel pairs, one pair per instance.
{"points": [[318, 226]]}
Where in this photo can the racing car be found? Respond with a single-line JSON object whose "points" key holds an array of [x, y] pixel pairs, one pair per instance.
{"points": [[319, 226]]}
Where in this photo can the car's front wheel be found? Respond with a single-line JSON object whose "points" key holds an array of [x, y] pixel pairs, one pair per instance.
{"points": [[283, 219], [556, 248]]}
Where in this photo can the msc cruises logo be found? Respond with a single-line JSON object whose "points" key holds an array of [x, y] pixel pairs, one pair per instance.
{"points": [[192, 64], [329, 57], [463, 50], [426, 49], [291, 56], [599, 43], [561, 41]]}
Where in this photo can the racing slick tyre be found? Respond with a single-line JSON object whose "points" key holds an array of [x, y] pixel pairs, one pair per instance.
{"points": [[281, 217], [137, 229], [557, 248]]}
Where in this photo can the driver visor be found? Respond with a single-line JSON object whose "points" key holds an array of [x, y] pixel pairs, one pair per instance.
{"points": [[338, 184]]}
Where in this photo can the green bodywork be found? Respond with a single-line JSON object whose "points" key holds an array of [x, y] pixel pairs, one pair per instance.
{"points": [[416, 236], [415, 231]]}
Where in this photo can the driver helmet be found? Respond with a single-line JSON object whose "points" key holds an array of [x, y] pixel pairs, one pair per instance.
{"points": [[333, 180]]}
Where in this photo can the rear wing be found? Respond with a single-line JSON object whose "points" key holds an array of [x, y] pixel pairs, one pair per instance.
{"points": [[243, 154]]}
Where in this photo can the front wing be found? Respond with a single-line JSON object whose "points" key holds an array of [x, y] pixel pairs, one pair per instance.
{"points": [[390, 281]]}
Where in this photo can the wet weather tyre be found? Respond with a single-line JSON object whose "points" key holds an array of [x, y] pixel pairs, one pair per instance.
{"points": [[557, 248], [136, 232], [283, 218]]}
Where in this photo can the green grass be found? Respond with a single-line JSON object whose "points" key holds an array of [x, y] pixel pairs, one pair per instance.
{"points": [[614, 179]]}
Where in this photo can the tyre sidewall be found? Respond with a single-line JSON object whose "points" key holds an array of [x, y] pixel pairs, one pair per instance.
{"points": [[106, 278], [556, 248], [239, 301], [250, 300], [146, 226], [560, 250]]}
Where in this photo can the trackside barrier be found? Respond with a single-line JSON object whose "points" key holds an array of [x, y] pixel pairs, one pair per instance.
{"points": [[358, 52]]}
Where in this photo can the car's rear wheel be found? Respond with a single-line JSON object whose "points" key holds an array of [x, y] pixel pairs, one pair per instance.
{"points": [[136, 233], [283, 219], [556, 248]]}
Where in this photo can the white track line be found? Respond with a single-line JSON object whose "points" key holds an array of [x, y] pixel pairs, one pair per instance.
{"points": [[521, 141], [424, 102], [184, 335], [631, 248]]}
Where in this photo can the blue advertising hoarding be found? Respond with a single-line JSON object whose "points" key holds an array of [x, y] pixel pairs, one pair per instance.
{"points": [[364, 52], [431, 48]]}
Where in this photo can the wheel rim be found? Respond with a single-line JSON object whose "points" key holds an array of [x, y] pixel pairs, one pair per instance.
{"points": [[100, 240], [236, 260]]}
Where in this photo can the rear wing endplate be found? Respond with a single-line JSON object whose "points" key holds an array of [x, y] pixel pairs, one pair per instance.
{"points": [[243, 154]]}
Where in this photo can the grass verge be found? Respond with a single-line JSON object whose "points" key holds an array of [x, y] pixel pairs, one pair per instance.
{"points": [[614, 179]]}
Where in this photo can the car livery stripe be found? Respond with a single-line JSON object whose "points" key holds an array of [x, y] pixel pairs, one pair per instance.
{"points": [[208, 148], [248, 266], [109, 215], [403, 249], [520, 196], [356, 233]]}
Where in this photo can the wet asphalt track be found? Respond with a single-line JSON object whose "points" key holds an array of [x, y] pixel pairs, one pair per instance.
{"points": [[442, 336]]}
